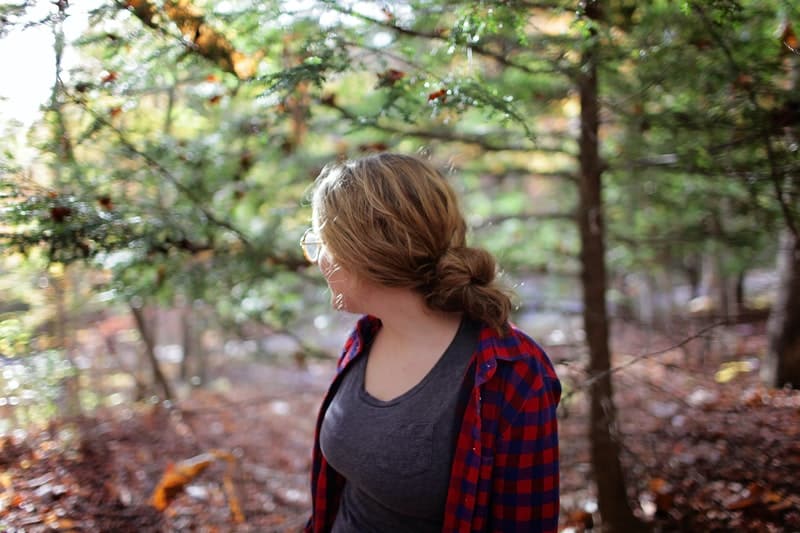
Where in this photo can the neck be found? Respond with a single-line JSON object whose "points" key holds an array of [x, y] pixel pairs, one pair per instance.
{"points": [[406, 319]]}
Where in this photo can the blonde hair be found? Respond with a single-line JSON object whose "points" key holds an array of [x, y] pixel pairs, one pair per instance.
{"points": [[394, 220]]}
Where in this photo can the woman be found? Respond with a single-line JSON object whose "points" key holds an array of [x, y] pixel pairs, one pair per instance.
{"points": [[442, 415]]}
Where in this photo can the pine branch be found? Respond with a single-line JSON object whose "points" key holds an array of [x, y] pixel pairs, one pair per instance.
{"points": [[499, 219], [775, 174], [440, 36], [441, 135], [155, 165]]}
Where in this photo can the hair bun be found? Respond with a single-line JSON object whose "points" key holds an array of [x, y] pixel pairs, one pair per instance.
{"points": [[463, 266], [464, 281]]}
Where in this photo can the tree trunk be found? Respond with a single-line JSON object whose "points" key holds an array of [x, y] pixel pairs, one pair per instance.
{"points": [[782, 365], [738, 291], [70, 402], [612, 496], [187, 342], [150, 352]]}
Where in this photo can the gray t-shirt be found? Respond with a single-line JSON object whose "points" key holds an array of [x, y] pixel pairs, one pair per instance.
{"points": [[396, 455]]}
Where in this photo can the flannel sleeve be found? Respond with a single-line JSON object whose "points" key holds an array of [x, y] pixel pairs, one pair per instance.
{"points": [[525, 477]]}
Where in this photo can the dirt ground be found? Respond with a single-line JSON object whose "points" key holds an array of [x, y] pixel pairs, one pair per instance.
{"points": [[705, 448]]}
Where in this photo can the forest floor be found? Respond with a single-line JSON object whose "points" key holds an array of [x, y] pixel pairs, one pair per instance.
{"points": [[705, 448]]}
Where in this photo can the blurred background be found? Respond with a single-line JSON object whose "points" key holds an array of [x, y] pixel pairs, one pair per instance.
{"points": [[632, 165]]}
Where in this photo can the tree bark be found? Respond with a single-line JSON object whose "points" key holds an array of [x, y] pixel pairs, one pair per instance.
{"points": [[187, 342], [70, 401], [149, 348], [71, 405], [612, 496], [782, 364]]}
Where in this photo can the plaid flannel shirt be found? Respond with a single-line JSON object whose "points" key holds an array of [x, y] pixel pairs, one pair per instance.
{"points": [[505, 475]]}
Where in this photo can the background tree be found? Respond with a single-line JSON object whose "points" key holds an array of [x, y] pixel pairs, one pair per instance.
{"points": [[716, 145]]}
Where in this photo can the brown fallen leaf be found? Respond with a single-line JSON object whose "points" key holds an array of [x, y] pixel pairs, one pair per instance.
{"points": [[663, 492], [580, 519], [753, 496], [781, 503]]}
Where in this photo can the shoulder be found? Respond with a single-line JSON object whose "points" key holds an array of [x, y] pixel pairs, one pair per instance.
{"points": [[514, 346], [524, 390], [521, 363]]}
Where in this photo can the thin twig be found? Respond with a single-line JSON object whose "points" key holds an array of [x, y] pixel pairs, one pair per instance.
{"points": [[589, 382], [499, 219]]}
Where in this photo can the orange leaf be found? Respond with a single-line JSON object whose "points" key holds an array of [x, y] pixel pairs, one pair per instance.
{"points": [[109, 77], [176, 477], [752, 497], [212, 78], [227, 483], [233, 500], [115, 111], [658, 485], [245, 66]]}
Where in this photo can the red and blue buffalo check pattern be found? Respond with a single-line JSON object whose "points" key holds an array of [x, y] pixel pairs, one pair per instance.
{"points": [[504, 476]]}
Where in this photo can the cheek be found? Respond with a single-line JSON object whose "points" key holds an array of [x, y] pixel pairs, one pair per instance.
{"points": [[342, 285], [338, 279], [327, 266]]}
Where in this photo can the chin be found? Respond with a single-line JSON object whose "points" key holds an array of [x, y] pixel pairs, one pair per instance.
{"points": [[340, 303]]}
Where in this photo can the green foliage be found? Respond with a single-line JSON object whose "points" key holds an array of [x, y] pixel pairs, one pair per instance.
{"points": [[14, 338], [31, 385], [697, 91], [185, 180]]}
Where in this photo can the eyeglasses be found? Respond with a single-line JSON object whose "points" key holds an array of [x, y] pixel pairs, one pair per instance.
{"points": [[311, 245]]}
